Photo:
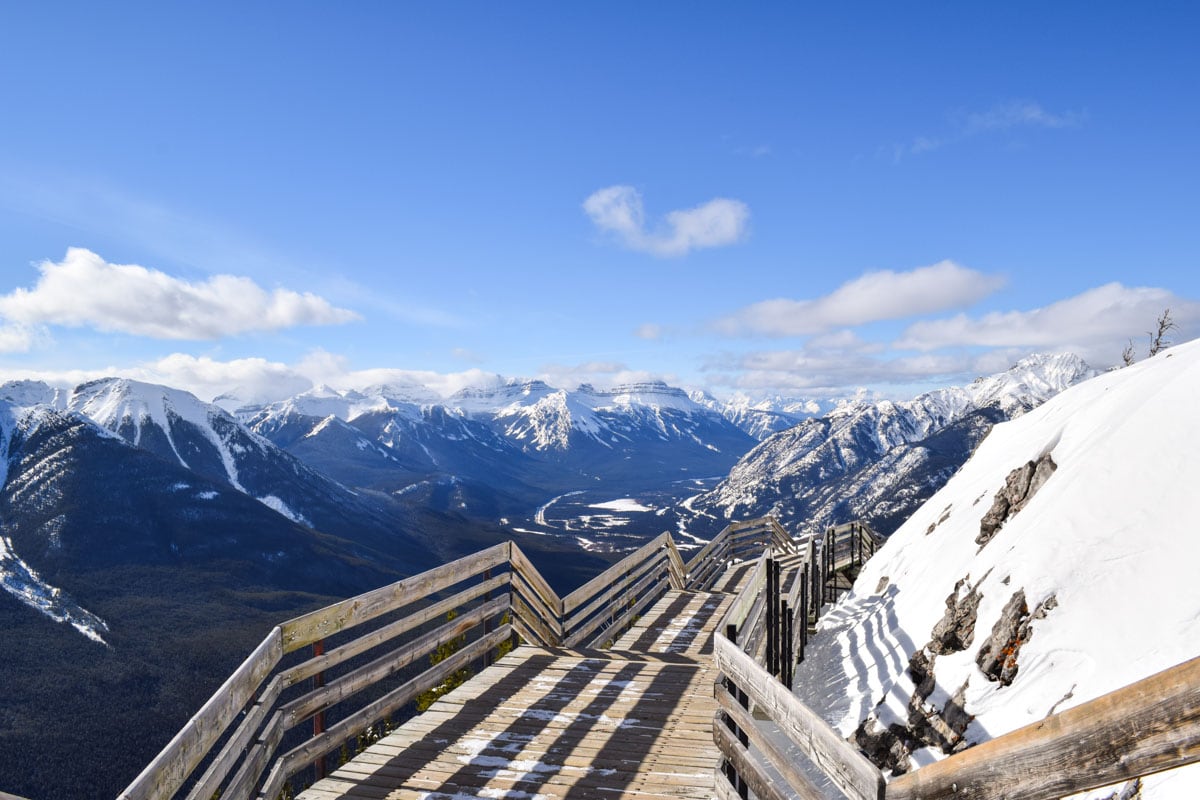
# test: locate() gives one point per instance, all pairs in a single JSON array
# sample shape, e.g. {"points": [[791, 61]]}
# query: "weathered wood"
{"points": [[741, 606], [677, 572], [798, 782], [377, 637], [747, 768], [232, 752], [522, 565], [164, 776], [839, 760], [308, 628], [583, 627], [722, 790], [606, 578], [1146, 727], [532, 626], [387, 664], [327, 742], [574, 625], [256, 761], [642, 594], [523, 588]]}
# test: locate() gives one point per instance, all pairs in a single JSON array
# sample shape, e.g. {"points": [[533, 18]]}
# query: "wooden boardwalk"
{"points": [[634, 721]]}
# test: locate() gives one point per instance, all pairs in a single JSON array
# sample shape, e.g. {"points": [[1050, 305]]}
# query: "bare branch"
{"points": [[1165, 325]]}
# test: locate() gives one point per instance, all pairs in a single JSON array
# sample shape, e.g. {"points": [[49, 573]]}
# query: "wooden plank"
{"points": [[317, 746], [1146, 727], [642, 588], [837, 758], [703, 553], [256, 761], [600, 603], [532, 626], [622, 591], [536, 604], [377, 637], [232, 752], [747, 768], [308, 628], [798, 783], [606, 578], [529, 572], [739, 609], [387, 664], [722, 790], [164, 776], [678, 573]]}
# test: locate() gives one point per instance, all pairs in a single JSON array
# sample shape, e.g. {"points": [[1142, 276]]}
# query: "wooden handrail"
{"points": [[1149, 726], [1143, 728], [250, 714]]}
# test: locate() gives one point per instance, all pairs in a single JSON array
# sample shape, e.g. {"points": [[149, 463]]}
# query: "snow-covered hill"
{"points": [[1057, 565], [879, 460]]}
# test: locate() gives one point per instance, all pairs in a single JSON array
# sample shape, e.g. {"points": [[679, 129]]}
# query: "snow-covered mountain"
{"points": [[878, 460], [524, 438], [1057, 565], [762, 416]]}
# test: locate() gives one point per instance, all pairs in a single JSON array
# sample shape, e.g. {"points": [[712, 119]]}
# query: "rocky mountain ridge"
{"points": [[878, 460]]}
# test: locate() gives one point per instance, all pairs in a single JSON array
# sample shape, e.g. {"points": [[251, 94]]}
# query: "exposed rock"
{"points": [[890, 747], [998, 654], [1019, 488], [1131, 790], [955, 631]]}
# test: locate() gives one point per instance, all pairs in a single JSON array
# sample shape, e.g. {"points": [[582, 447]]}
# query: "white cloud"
{"points": [[85, 290], [838, 373], [1019, 114], [599, 374], [1007, 116], [618, 210], [1096, 324], [875, 296], [18, 338], [649, 331]]}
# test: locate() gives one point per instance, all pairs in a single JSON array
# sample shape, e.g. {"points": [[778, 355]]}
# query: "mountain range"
{"points": [[876, 461]]}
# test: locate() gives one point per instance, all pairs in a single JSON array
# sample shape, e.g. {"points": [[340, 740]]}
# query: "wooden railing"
{"points": [[1146, 727], [320, 679]]}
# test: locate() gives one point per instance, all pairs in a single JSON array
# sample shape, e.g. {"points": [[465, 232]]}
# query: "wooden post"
{"points": [[489, 624], [771, 598], [318, 649], [803, 612], [785, 617]]}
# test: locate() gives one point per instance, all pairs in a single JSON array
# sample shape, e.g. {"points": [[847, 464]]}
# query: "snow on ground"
{"points": [[622, 504], [23, 582], [1110, 537]]}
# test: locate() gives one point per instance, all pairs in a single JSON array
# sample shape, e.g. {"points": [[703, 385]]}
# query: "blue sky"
{"points": [[762, 198]]}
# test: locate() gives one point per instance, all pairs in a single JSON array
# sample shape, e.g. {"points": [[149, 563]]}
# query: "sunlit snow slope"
{"points": [[1104, 552]]}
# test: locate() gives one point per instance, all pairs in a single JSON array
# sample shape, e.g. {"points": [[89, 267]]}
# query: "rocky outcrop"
{"points": [[890, 747], [955, 631], [997, 656], [1019, 488]]}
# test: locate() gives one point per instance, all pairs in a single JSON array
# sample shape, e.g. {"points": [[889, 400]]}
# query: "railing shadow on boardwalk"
{"points": [[344, 668]]}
